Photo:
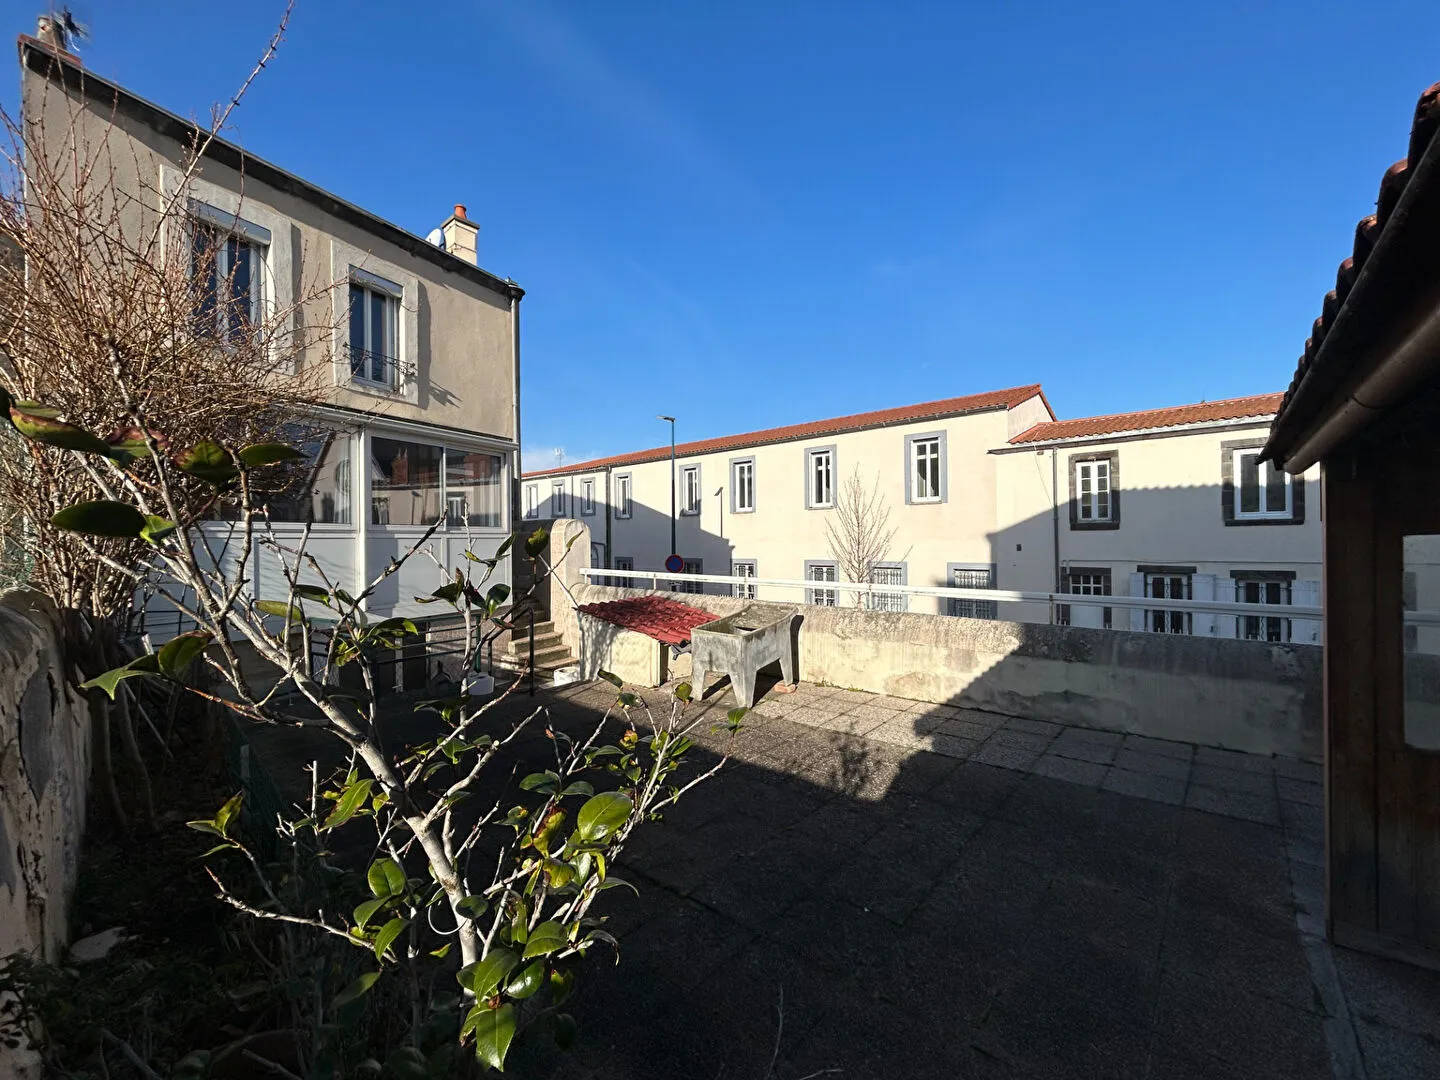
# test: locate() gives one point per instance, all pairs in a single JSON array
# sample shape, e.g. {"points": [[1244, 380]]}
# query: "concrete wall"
{"points": [[1242, 695], [44, 773]]}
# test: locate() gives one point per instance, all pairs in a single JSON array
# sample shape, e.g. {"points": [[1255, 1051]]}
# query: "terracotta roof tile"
{"points": [[1203, 413], [664, 620], [994, 399]]}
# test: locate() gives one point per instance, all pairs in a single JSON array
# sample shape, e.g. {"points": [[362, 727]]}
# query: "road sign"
{"points": [[674, 564]]}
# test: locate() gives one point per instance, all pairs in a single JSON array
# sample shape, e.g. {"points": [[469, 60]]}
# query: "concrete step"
{"points": [[548, 660], [521, 646]]}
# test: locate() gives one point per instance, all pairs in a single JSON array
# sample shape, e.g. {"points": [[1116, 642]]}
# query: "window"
{"points": [[925, 468], [532, 501], [689, 566], [229, 262], [557, 499], [624, 562], [972, 576], [374, 353], [821, 571], [379, 510], [1252, 493], [887, 574], [1094, 491], [742, 485], [587, 498], [316, 488], [623, 507], [474, 488], [1262, 588], [406, 475], [743, 568], [1169, 586], [690, 489], [1086, 581], [820, 478], [1419, 573]]}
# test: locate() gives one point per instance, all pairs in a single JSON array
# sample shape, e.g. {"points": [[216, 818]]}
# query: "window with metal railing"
{"points": [[372, 348]]}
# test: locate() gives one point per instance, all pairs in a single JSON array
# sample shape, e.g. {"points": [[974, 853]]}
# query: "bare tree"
{"points": [[859, 532]]}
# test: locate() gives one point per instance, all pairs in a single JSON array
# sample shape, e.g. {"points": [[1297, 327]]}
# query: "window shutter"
{"points": [[1226, 590], [1137, 615], [1306, 594], [1203, 587], [1087, 614]]}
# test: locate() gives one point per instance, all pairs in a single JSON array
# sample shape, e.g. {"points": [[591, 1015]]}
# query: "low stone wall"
{"points": [[44, 776], [1243, 695]]}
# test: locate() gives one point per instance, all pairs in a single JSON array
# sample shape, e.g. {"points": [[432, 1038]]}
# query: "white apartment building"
{"points": [[422, 375], [986, 491]]}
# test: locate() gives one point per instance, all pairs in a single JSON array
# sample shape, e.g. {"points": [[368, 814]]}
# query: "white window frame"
{"points": [[349, 263], [625, 562], [743, 568], [1259, 627], [965, 608], [1093, 471], [1087, 583], [447, 448], [690, 498], [532, 501], [557, 498], [624, 496], [932, 447], [1167, 620], [1262, 473], [375, 290], [742, 482], [587, 497], [813, 457], [887, 601], [226, 227], [689, 566], [831, 571]]}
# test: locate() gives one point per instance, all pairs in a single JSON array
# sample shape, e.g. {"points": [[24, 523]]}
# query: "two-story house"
{"points": [[420, 368], [758, 504]]}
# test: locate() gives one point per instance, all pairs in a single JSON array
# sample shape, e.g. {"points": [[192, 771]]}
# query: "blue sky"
{"points": [[757, 213]]}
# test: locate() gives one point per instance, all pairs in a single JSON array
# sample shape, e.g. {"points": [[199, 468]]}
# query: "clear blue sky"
{"points": [[756, 213]]}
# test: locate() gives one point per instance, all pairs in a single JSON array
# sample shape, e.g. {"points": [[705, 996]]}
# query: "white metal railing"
{"points": [[1145, 603]]}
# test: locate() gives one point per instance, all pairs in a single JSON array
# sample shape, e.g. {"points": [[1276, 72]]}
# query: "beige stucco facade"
{"points": [[438, 435]]}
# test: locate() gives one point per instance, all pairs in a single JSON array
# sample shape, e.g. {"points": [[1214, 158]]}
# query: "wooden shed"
{"points": [[1365, 403]]}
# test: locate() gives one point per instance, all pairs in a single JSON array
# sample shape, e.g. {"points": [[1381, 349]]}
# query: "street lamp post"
{"points": [[674, 549]]}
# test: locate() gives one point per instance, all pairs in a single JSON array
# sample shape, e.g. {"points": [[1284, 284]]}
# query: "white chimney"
{"points": [[461, 235]]}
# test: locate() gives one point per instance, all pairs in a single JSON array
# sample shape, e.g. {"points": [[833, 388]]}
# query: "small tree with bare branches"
{"points": [[859, 531]]}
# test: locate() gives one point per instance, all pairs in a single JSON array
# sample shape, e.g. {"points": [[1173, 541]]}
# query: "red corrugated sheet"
{"points": [[654, 616], [1179, 415]]}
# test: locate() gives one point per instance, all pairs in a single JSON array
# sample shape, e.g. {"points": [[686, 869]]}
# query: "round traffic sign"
{"points": [[674, 564]]}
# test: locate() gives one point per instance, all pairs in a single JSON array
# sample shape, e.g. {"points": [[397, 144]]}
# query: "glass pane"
{"points": [[357, 330], [241, 256], [407, 476], [1276, 481], [379, 340], [1249, 482], [1420, 603], [472, 488], [319, 485], [203, 265]]}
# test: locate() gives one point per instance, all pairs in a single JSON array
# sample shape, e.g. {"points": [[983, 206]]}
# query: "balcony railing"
{"points": [[376, 369]]}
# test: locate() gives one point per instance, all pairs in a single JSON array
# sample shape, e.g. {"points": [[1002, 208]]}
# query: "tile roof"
{"points": [[1205, 412], [1423, 129], [930, 410], [664, 620]]}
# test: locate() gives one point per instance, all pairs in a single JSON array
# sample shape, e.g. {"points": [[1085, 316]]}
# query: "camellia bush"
{"points": [[481, 909]]}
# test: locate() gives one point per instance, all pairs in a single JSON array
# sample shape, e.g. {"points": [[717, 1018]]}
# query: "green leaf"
{"points": [[603, 815], [504, 545], [561, 983], [449, 593], [616, 883], [536, 542], [546, 782], [579, 787], [102, 517], [630, 701], [180, 652], [226, 814], [34, 425], [407, 1063], [482, 977], [387, 935], [394, 626], [268, 454], [128, 443], [557, 873], [613, 679], [110, 681], [734, 716], [493, 1031], [683, 692], [564, 1027], [498, 594], [349, 802], [209, 462], [366, 911], [386, 878], [156, 529], [313, 592], [280, 609], [546, 938], [530, 979], [356, 990], [473, 907]]}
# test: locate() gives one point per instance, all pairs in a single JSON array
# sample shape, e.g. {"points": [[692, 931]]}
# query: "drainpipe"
{"points": [[1055, 511], [515, 408], [609, 552]]}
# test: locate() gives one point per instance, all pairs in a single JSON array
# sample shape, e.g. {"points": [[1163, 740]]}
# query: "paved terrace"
{"points": [[926, 891]]}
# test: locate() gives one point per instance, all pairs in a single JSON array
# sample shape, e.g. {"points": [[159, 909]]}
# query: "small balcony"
{"points": [[376, 370]]}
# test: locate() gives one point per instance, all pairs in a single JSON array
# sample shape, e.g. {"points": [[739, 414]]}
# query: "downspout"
{"points": [[1055, 513], [515, 407], [609, 552]]}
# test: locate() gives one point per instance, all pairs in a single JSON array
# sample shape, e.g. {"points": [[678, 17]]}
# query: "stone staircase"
{"points": [[550, 651]]}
